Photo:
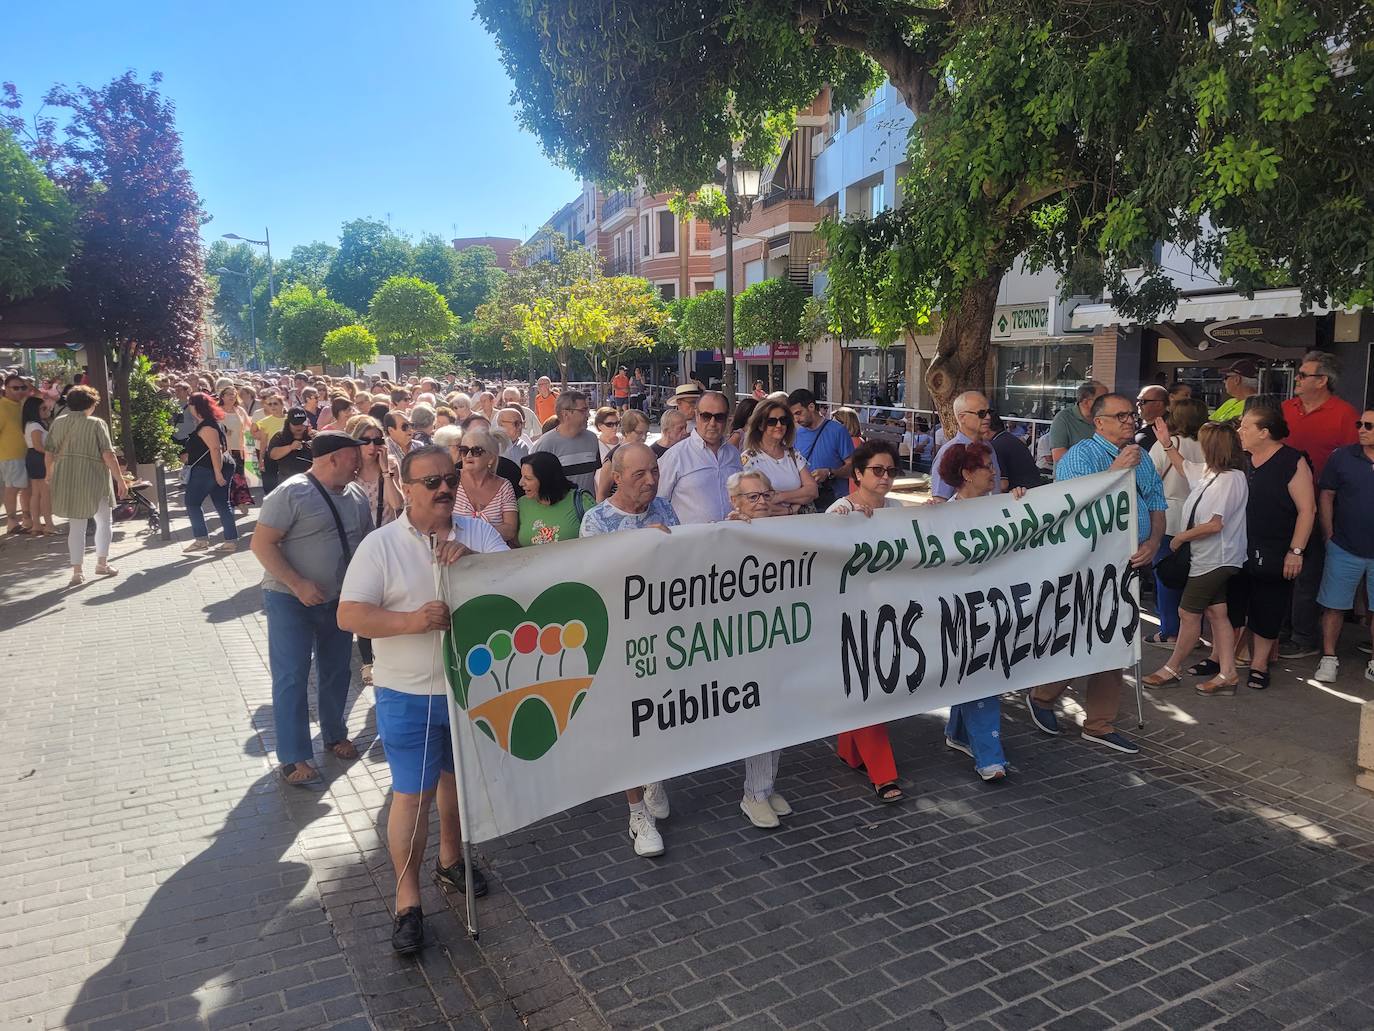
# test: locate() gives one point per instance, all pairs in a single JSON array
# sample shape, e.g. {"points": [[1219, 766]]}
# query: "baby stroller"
{"points": [[141, 500]]}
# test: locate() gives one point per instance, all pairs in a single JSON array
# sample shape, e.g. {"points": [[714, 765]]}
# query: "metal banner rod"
{"points": [[453, 717]]}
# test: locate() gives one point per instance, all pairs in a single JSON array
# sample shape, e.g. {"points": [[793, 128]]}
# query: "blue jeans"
{"points": [[1166, 598], [199, 486], [294, 633], [979, 726]]}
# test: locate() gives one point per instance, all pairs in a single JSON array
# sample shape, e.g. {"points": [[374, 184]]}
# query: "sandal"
{"points": [[1217, 686], [1258, 679], [1204, 668], [1163, 677], [106, 570], [299, 774], [1161, 640], [77, 580], [344, 749], [889, 792]]}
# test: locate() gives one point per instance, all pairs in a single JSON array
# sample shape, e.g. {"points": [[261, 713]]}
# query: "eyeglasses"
{"points": [[778, 420], [475, 452], [371, 441], [1360, 424], [982, 413], [712, 416], [581, 409], [1121, 417], [1141, 401], [1307, 375], [755, 496], [449, 480], [883, 472]]}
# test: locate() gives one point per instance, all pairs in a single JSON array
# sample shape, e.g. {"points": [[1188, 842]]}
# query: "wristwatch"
{"points": [[1295, 551]]}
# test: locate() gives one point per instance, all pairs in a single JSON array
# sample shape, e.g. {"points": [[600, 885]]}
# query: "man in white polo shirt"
{"points": [[388, 595]]}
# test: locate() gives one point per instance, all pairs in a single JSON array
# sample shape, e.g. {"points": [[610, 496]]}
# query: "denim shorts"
{"points": [[1341, 575], [414, 755]]}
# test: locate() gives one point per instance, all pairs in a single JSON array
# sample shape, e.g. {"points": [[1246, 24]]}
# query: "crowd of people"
{"points": [[367, 483]]}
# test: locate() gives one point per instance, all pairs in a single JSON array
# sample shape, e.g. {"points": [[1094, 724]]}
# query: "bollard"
{"points": [[163, 518], [1364, 758]]}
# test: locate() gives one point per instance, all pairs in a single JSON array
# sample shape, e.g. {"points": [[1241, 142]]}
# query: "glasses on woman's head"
{"points": [[475, 452], [449, 480], [883, 472]]}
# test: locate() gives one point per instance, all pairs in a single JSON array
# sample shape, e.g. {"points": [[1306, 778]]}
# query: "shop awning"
{"points": [[1268, 304]]}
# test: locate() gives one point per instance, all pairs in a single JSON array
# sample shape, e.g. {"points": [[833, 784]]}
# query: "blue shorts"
{"points": [[1341, 576], [414, 757]]}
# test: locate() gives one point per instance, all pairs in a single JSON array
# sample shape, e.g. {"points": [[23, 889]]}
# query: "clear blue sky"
{"points": [[301, 114]]}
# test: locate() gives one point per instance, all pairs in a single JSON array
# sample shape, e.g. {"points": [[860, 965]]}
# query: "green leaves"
{"points": [[1234, 167], [350, 344], [37, 225], [406, 312], [300, 320]]}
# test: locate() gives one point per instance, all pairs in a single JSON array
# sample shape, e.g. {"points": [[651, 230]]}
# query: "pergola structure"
{"points": [[40, 322]]}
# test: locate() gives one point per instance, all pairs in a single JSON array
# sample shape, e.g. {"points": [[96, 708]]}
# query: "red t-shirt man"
{"points": [[1319, 432]]}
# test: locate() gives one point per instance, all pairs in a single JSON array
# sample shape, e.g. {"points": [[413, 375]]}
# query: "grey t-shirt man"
{"points": [[310, 540], [580, 456]]}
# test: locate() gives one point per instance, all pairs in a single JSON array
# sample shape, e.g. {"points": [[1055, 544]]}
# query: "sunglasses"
{"points": [[712, 416], [449, 480], [475, 452], [611, 422], [371, 441], [755, 496], [404, 427], [778, 420], [982, 413], [883, 472], [1360, 424]]}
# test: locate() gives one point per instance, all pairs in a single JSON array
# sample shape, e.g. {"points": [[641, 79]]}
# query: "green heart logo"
{"points": [[521, 674]]}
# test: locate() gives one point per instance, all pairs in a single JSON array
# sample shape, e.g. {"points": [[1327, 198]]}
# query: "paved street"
{"points": [[155, 873]]}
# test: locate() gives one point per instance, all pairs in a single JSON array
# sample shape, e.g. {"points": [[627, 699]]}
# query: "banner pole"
{"points": [[453, 716]]}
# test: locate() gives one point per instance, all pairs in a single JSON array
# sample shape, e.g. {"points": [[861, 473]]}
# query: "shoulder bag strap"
{"points": [[1192, 516], [333, 510]]}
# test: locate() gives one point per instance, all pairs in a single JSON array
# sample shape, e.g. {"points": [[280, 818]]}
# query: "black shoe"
{"points": [[455, 877], [409, 934]]}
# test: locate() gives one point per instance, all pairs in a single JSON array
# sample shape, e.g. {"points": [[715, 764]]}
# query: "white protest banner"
{"points": [[583, 668]]}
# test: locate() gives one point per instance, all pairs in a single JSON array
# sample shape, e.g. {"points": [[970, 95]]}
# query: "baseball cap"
{"points": [[1245, 368], [297, 416], [329, 441]]}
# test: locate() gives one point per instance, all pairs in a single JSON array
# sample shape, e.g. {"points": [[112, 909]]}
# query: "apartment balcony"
{"points": [[617, 204], [782, 196]]}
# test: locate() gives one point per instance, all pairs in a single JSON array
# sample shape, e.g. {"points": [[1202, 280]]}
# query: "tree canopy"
{"points": [[301, 318], [406, 313], [369, 254], [1076, 135], [769, 312], [350, 344], [701, 323], [37, 225]]}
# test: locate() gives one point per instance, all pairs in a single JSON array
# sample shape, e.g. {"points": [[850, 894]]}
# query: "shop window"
{"points": [[1034, 381], [878, 377]]}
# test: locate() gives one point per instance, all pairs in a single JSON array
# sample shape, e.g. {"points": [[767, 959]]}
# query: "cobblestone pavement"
{"points": [[153, 871]]}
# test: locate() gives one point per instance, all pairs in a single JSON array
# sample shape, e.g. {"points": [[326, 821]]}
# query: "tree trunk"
{"points": [[961, 361], [122, 370]]}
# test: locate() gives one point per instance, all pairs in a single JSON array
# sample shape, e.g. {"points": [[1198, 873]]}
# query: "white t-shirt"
{"points": [[1176, 484], [393, 569], [28, 434], [846, 504], [1226, 495], [783, 473]]}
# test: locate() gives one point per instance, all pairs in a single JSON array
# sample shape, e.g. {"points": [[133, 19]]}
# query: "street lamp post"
{"points": [[741, 187], [252, 322], [266, 241]]}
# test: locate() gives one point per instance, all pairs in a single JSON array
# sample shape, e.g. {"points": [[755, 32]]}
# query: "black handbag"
{"points": [[1174, 568]]}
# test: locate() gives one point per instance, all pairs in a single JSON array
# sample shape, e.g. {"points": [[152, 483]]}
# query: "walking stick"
{"points": [[453, 717]]}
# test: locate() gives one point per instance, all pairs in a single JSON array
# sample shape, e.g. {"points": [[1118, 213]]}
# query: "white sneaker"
{"points": [[779, 804], [760, 814], [1328, 669], [648, 842], [656, 800], [994, 772], [1369, 670]]}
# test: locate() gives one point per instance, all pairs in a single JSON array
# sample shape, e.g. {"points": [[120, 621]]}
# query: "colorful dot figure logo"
{"points": [[521, 674]]}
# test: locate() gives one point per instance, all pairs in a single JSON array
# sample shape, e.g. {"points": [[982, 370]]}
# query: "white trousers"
{"points": [[104, 533], [759, 773]]}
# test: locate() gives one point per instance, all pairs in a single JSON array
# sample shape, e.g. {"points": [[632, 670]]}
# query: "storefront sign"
{"points": [[580, 669], [1021, 321], [1267, 338], [758, 352]]}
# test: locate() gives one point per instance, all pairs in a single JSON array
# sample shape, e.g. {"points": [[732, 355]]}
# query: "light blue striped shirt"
{"points": [[1096, 455]]}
